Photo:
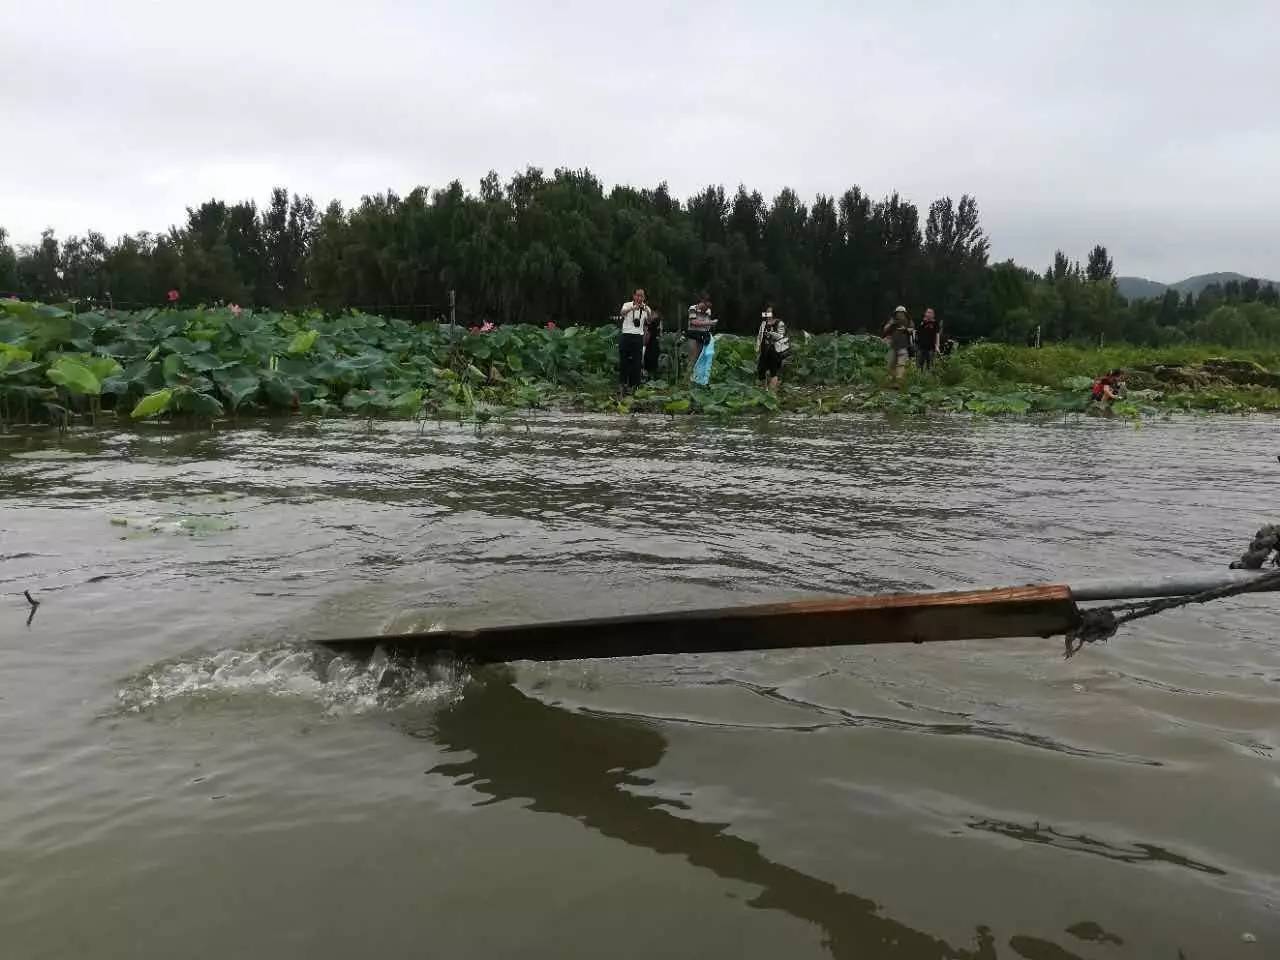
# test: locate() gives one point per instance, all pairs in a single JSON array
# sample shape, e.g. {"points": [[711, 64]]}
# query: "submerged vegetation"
{"points": [[203, 365]]}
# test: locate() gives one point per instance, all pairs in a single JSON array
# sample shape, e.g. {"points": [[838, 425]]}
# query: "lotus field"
{"points": [[201, 365]]}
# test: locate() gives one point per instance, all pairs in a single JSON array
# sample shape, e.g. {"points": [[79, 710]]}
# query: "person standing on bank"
{"points": [[928, 339], [897, 334], [772, 347], [652, 344], [635, 315], [701, 323]]}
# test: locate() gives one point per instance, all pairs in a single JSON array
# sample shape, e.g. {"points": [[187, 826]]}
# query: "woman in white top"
{"points": [[635, 316]]}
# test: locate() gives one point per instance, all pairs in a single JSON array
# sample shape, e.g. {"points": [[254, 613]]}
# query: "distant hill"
{"points": [[1196, 284], [1140, 288]]}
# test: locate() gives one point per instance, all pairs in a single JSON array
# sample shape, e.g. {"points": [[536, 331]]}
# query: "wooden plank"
{"points": [[840, 621]]}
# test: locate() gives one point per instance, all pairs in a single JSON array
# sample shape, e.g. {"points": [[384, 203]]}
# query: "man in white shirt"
{"points": [[635, 315]]}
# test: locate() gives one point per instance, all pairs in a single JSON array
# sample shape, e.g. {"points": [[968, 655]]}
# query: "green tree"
{"points": [[898, 223], [8, 265], [1226, 325], [1100, 267], [954, 279], [40, 269], [557, 247], [858, 299]]}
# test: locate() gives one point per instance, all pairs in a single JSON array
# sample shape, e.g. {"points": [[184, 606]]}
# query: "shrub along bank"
{"points": [[207, 364]]}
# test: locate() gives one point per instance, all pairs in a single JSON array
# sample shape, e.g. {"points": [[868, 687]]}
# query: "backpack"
{"points": [[780, 343]]}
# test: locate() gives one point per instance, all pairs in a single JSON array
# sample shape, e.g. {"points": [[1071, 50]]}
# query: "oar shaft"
{"points": [[840, 621], [1142, 588], [1031, 611]]}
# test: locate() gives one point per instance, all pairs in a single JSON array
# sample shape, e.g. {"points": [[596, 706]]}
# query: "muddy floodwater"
{"points": [[183, 776]]}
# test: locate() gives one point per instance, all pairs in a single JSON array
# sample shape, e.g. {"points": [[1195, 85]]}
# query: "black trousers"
{"points": [[651, 352], [630, 357]]}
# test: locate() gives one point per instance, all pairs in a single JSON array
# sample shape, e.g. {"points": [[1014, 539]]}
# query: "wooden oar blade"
{"points": [[1033, 611]]}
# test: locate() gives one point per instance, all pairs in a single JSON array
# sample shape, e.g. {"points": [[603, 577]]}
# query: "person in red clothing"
{"points": [[1106, 389]]}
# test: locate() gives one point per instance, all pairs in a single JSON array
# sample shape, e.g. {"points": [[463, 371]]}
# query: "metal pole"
{"points": [[1172, 586], [1037, 336], [453, 308]]}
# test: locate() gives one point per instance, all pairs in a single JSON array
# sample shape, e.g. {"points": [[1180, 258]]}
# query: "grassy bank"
{"points": [[207, 364]]}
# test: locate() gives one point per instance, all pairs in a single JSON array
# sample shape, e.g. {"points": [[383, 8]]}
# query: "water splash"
{"points": [[191, 525], [339, 684]]}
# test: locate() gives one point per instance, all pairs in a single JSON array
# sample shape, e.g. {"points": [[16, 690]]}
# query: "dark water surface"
{"points": [[182, 776]]}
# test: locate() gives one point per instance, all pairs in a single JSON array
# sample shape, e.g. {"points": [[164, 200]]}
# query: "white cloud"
{"points": [[1149, 128]]}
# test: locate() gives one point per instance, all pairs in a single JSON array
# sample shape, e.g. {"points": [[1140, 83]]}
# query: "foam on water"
{"points": [[339, 684]]}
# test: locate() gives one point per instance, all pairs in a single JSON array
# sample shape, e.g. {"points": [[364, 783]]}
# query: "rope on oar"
{"points": [[1101, 623], [1265, 542]]}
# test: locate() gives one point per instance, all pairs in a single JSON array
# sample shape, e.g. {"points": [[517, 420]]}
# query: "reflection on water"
{"points": [[589, 768], [1087, 930], [1081, 843], [838, 716], [1033, 948]]}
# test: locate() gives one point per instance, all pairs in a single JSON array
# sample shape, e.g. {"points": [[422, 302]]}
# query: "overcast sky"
{"points": [[1153, 129]]}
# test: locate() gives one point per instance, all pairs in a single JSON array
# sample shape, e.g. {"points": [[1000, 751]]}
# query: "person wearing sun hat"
{"points": [[897, 334]]}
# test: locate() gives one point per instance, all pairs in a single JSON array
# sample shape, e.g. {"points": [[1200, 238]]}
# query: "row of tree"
{"points": [[562, 248]]}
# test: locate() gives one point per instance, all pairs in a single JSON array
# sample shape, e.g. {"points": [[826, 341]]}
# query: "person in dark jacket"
{"points": [[652, 344], [928, 339], [772, 348]]}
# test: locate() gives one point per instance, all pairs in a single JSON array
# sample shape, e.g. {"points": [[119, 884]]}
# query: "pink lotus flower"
{"points": [[551, 325], [235, 309], [486, 327], [173, 296]]}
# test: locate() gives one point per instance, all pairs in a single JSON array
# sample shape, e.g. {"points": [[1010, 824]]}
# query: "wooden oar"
{"points": [[916, 617], [1032, 611]]}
